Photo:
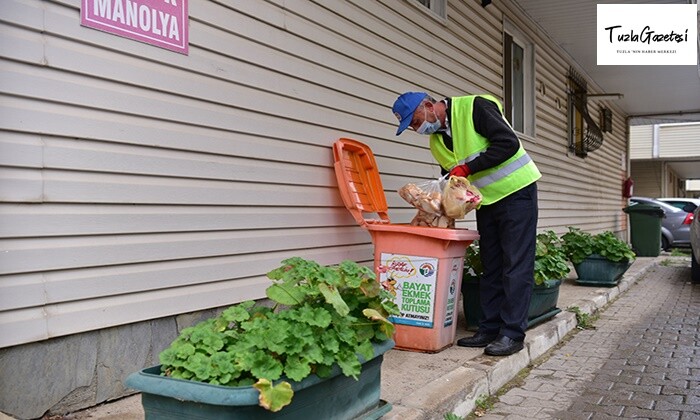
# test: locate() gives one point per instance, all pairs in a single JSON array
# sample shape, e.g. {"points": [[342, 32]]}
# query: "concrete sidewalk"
{"points": [[428, 386]]}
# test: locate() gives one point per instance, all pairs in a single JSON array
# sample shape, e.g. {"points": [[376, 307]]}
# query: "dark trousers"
{"points": [[507, 231]]}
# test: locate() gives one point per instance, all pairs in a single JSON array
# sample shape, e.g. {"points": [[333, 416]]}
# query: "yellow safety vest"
{"points": [[493, 183]]}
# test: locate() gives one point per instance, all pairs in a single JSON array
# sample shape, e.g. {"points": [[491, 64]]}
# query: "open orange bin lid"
{"points": [[362, 192]]}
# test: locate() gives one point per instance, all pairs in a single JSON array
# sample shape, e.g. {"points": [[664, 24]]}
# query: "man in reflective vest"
{"points": [[470, 137]]}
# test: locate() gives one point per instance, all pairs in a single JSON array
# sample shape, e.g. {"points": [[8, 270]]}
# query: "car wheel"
{"points": [[694, 269], [665, 244]]}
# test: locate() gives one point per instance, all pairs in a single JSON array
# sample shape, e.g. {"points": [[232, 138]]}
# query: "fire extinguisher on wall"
{"points": [[628, 188]]}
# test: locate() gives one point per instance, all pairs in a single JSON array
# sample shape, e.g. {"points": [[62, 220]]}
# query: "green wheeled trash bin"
{"points": [[645, 227]]}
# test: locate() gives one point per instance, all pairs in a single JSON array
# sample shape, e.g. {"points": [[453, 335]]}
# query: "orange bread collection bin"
{"points": [[421, 266]]}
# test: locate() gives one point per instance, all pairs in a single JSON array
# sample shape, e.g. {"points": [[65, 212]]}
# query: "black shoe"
{"points": [[477, 340], [503, 346]]}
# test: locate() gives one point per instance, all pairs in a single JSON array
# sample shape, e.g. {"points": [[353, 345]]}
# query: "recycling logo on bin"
{"points": [[412, 280], [427, 269]]}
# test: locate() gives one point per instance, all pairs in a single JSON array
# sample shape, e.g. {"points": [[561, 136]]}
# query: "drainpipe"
{"points": [[628, 172], [655, 157]]}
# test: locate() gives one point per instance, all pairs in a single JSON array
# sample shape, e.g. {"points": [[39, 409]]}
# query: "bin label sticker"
{"points": [[450, 308], [411, 279]]}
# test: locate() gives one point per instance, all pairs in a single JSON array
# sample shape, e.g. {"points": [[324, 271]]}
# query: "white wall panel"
{"points": [[647, 177], [26, 220], [679, 141], [641, 141]]}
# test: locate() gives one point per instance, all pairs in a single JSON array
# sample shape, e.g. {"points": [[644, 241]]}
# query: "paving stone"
{"points": [[637, 364], [601, 385], [538, 396], [585, 407], [492, 416], [552, 386], [647, 389], [554, 405], [635, 412], [631, 378], [510, 399], [592, 397], [673, 399], [693, 399], [518, 411], [686, 408], [602, 416]]}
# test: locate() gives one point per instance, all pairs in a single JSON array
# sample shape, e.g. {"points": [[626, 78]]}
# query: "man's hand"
{"points": [[460, 170]]}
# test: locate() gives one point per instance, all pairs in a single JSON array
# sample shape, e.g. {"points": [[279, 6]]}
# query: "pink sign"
{"points": [[157, 22]]}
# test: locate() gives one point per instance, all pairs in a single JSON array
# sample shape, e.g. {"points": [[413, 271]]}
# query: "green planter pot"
{"points": [[335, 397], [597, 270], [543, 304]]}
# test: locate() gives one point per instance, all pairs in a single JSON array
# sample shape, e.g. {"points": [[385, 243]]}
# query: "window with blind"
{"points": [[518, 80]]}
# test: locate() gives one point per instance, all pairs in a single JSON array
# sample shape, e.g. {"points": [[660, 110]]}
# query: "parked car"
{"points": [[695, 247], [685, 204], [675, 225]]}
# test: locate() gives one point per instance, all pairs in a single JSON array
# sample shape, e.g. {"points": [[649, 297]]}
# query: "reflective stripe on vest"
{"points": [[503, 172], [469, 158]]}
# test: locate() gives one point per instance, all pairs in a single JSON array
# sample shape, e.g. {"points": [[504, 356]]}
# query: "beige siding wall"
{"points": [[648, 177], [656, 178], [679, 141], [641, 141], [139, 183]]}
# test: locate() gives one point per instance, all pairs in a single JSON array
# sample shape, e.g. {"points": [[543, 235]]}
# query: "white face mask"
{"points": [[429, 127]]}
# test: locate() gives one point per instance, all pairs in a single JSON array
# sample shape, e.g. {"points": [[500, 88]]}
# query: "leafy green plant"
{"points": [[584, 320], [677, 252], [483, 403], [451, 416], [610, 247], [472, 261], [324, 315], [550, 261], [578, 245]]}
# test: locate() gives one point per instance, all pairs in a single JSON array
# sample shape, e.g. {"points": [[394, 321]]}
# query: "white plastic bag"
{"points": [[426, 196]]}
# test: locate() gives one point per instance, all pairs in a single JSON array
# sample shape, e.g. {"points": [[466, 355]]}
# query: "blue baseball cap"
{"points": [[405, 106]]}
